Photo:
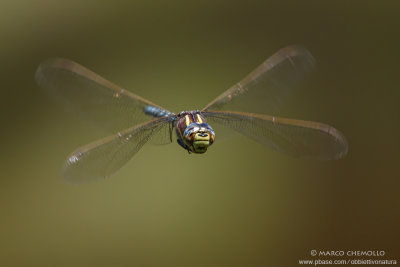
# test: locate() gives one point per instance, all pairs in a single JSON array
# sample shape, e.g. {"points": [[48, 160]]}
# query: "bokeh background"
{"points": [[240, 204]]}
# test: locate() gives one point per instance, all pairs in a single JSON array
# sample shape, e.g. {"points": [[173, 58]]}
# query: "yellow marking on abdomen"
{"points": [[199, 118]]}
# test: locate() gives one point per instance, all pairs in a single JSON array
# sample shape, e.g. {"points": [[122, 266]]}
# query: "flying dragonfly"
{"points": [[133, 120]]}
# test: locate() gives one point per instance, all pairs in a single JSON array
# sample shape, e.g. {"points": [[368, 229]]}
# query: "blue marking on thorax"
{"points": [[156, 112]]}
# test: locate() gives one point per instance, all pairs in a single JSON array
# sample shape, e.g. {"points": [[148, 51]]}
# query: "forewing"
{"points": [[103, 158], [267, 88], [88, 94], [305, 139]]}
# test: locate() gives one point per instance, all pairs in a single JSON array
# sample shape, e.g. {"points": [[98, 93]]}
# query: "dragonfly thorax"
{"points": [[194, 134]]}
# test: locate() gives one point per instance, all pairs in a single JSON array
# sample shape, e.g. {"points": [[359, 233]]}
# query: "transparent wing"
{"points": [[103, 158], [85, 92], [305, 139], [270, 85]]}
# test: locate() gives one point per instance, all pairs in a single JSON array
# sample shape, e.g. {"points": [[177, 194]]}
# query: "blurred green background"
{"points": [[240, 204]]}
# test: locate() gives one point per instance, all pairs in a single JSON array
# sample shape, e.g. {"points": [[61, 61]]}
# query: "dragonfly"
{"points": [[132, 121]]}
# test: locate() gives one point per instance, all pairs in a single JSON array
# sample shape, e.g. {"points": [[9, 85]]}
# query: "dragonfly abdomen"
{"points": [[156, 112]]}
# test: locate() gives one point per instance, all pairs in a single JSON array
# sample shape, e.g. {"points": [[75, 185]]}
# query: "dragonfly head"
{"points": [[198, 137]]}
